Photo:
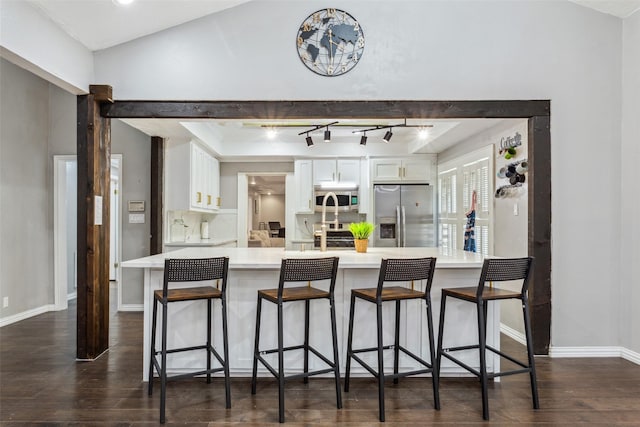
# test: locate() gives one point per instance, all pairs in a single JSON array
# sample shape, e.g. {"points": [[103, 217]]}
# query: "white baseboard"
{"points": [[71, 296], [26, 314], [513, 334], [631, 356], [603, 351], [131, 307]]}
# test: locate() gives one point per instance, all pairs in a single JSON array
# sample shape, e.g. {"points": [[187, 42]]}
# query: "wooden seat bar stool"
{"points": [[395, 270], [299, 270], [493, 270], [190, 270]]}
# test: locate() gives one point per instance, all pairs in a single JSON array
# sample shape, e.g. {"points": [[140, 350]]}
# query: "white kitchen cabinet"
{"points": [[336, 170], [303, 171], [192, 178], [418, 168]]}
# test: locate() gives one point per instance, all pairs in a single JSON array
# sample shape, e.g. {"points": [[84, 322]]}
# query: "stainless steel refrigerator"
{"points": [[404, 215]]}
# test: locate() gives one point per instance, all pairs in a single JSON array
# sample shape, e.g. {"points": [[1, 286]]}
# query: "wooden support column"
{"points": [[539, 190], [94, 173], [157, 193]]}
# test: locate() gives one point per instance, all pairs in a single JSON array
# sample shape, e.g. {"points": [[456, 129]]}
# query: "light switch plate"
{"points": [[515, 209]]}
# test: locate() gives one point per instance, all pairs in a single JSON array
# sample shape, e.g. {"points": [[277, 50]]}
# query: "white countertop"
{"points": [[203, 242], [269, 258]]}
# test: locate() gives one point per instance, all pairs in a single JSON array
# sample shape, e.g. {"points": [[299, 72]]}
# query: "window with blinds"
{"points": [[455, 202]]}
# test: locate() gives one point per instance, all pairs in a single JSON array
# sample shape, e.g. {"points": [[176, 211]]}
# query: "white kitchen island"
{"points": [[251, 269]]}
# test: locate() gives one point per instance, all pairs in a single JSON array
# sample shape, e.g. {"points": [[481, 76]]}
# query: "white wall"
{"points": [[453, 50], [39, 121], [272, 208], [32, 41], [629, 315], [26, 246]]}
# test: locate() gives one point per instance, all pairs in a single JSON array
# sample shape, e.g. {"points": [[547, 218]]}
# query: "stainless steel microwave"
{"points": [[348, 199]]}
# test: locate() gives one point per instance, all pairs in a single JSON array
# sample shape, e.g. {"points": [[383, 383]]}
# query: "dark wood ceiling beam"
{"points": [[322, 109]]}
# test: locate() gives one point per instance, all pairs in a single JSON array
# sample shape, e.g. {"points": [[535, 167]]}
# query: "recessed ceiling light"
{"points": [[123, 2], [423, 133]]}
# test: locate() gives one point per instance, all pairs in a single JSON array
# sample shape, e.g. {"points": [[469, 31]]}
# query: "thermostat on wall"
{"points": [[136, 205]]}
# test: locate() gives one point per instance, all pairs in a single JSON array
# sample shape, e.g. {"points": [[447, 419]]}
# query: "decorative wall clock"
{"points": [[330, 42]]}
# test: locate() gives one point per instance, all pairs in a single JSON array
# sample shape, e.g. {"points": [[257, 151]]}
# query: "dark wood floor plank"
{"points": [[42, 384]]}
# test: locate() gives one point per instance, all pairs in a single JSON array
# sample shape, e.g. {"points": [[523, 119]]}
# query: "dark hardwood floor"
{"points": [[42, 384]]}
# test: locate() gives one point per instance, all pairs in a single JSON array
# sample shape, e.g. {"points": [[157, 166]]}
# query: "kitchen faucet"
{"points": [[323, 226]]}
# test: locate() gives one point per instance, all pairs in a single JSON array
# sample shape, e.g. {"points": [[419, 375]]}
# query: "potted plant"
{"points": [[361, 232]]}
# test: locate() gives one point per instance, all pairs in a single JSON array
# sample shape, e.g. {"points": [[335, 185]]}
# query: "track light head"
{"points": [[387, 136], [327, 135], [363, 139], [309, 141]]}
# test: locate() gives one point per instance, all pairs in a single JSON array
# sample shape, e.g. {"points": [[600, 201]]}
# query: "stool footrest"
{"points": [[375, 373], [178, 350], [275, 350], [274, 372], [494, 350], [461, 363]]}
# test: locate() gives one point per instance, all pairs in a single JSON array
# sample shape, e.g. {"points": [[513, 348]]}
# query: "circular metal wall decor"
{"points": [[330, 42]]}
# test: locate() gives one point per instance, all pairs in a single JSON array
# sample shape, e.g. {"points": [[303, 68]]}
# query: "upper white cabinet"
{"points": [[192, 178], [303, 171], [417, 168], [336, 170]]}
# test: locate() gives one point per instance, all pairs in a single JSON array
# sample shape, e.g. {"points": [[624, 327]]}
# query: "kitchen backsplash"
{"points": [[185, 226]]}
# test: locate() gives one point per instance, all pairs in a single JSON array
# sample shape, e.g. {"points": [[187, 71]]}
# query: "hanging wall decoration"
{"points": [[330, 42]]}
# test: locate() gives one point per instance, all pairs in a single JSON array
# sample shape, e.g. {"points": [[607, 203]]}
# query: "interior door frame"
{"points": [[59, 229], [537, 113]]}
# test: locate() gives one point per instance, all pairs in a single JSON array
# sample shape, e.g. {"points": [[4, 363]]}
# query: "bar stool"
{"points": [[299, 270], [190, 270], [395, 270], [493, 270]]}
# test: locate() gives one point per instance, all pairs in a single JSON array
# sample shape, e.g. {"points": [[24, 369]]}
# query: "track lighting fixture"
{"points": [[363, 139], [309, 141], [387, 136], [327, 135]]}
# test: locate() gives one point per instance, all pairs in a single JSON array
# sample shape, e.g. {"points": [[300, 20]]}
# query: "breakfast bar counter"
{"points": [[251, 269]]}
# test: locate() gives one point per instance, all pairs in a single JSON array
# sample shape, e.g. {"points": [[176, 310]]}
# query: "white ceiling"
{"points": [[99, 24]]}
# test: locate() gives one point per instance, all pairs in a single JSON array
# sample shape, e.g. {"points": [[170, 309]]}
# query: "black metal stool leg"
{"points": [[336, 362], [443, 303], [434, 376], [396, 347], [349, 343], [163, 369], [483, 362], [256, 348], [380, 363], [306, 340], [280, 364], [152, 353], [225, 341], [532, 362], [208, 341]]}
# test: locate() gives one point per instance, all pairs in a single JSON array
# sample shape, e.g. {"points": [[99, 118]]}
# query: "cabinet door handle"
{"points": [[339, 176], [219, 201], [333, 176], [199, 197], [399, 172], [404, 172], [208, 199]]}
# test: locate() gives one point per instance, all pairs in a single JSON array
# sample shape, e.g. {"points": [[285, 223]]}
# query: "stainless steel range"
{"points": [[337, 238]]}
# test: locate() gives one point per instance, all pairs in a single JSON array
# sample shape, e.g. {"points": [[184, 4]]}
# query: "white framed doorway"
{"points": [[247, 205], [65, 260]]}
